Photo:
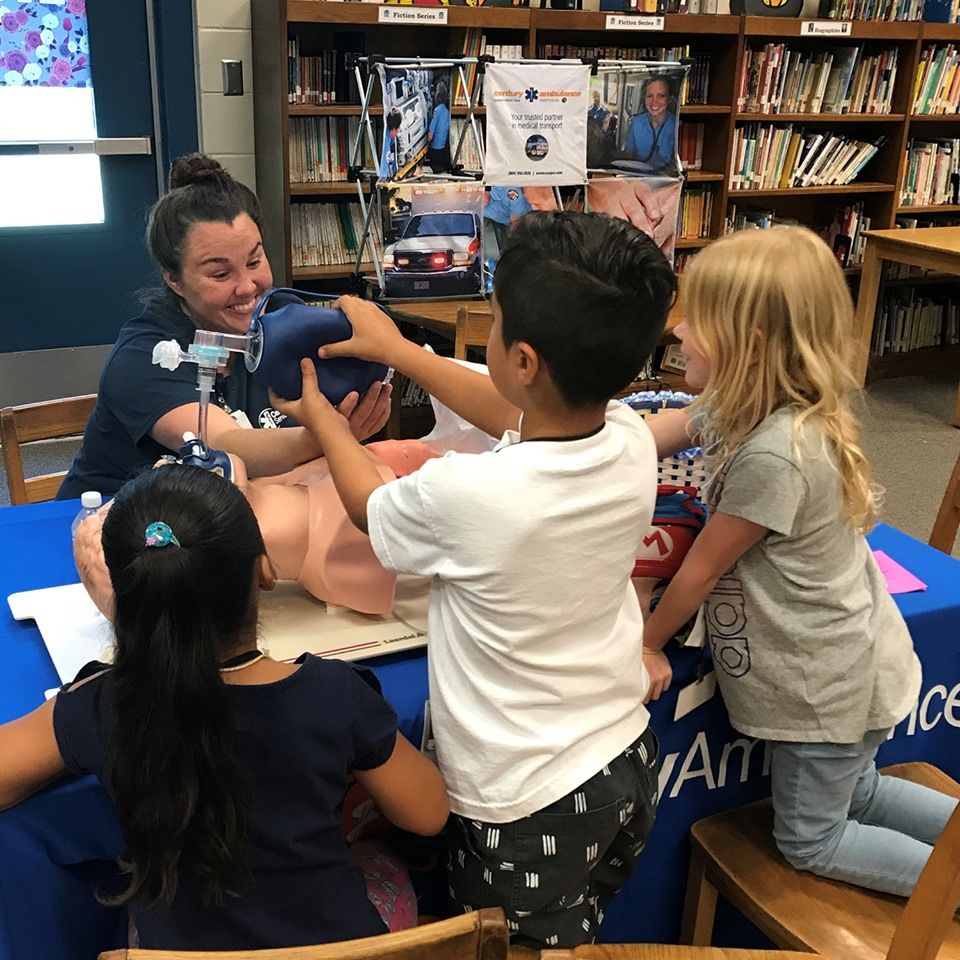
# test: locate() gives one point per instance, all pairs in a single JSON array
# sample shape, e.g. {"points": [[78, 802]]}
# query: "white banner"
{"points": [[535, 129]]}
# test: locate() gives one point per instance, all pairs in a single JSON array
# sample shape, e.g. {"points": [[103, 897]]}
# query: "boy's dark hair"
{"points": [[589, 293], [179, 793]]}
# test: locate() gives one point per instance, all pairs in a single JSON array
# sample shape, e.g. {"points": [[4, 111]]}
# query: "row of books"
{"points": [[323, 77], [740, 217], [695, 90], [776, 79], [870, 10], [769, 157], [696, 212], [470, 157], [320, 148], [576, 51], [325, 233], [932, 174], [681, 260], [665, 6], [690, 145], [936, 86], [845, 234], [475, 44], [911, 318]]}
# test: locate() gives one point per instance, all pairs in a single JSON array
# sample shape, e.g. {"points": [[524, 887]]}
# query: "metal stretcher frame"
{"points": [[360, 174]]}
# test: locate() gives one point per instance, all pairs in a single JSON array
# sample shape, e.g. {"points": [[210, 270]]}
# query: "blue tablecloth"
{"points": [[56, 846]]}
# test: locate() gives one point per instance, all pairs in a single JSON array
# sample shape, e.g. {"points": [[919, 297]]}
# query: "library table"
{"points": [[932, 248], [58, 846], [440, 317]]}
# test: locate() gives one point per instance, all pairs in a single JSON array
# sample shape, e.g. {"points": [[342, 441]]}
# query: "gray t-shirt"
{"points": [[807, 642]]}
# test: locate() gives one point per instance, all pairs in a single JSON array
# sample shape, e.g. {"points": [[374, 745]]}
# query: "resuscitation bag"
{"points": [[281, 337]]}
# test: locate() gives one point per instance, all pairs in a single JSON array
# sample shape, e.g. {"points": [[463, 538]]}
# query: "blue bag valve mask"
{"points": [[279, 339]]}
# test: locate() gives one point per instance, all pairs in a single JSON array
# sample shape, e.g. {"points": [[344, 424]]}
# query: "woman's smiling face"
{"points": [[656, 99], [225, 272]]}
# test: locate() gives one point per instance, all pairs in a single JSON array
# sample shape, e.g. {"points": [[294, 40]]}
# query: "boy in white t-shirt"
{"points": [[536, 669]]}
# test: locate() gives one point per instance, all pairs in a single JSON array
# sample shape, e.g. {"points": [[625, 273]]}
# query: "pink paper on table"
{"points": [[899, 580]]}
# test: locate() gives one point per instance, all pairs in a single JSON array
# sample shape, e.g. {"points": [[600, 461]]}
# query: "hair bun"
{"points": [[195, 168]]}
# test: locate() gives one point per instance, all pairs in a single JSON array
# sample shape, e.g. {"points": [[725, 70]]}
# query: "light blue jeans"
{"points": [[835, 816]]}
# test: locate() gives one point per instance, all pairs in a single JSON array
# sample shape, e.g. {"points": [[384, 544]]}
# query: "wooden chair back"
{"points": [[657, 951], [929, 912], [734, 855], [944, 533], [52, 419], [481, 935], [473, 329]]}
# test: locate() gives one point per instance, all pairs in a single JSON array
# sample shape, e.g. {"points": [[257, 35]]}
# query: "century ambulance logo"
{"points": [[534, 95]]}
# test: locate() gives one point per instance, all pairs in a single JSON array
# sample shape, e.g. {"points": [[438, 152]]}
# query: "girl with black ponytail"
{"points": [[227, 769]]}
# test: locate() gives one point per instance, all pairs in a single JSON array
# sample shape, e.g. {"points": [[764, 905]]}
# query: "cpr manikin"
{"points": [[306, 531]]}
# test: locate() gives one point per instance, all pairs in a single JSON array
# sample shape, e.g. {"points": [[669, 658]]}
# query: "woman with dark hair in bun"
{"points": [[205, 236]]}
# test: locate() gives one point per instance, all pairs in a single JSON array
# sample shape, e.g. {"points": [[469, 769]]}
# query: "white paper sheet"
{"points": [[291, 622]]}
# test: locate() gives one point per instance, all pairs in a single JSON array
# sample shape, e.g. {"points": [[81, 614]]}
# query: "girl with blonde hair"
{"points": [[810, 651]]}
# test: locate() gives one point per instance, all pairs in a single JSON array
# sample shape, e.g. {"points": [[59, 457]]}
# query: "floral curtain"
{"points": [[44, 44]]}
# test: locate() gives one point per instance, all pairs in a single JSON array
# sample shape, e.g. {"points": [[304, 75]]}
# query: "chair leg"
{"points": [[700, 904]]}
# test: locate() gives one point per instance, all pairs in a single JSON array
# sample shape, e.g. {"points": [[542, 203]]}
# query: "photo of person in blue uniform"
{"points": [[438, 133], [502, 208], [650, 137], [416, 131], [388, 156], [597, 112]]}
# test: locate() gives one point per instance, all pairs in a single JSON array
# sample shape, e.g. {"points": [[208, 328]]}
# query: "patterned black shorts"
{"points": [[554, 871]]}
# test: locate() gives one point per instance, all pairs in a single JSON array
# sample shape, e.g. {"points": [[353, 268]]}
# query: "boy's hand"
{"points": [[313, 410], [375, 336], [659, 671]]}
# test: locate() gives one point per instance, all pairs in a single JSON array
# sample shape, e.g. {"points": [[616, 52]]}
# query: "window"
{"points": [[46, 102]]}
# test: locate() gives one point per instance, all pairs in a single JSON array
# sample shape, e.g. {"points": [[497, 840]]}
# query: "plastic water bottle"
{"points": [[91, 502]]}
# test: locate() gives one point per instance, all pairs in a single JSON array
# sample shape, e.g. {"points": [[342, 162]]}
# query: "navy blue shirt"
{"points": [[134, 394], [296, 740]]}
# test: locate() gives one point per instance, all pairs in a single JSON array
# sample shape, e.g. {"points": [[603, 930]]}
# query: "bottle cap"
{"points": [[90, 500]]}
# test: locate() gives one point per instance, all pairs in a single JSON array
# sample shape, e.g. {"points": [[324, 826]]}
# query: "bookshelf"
{"points": [[892, 120]]}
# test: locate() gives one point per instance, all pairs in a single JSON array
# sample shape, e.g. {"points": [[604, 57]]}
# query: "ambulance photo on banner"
{"points": [[432, 239], [535, 130], [416, 121], [633, 119]]}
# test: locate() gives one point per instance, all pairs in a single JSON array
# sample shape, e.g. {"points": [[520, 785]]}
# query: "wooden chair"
{"points": [[734, 854], [658, 951], [481, 935], [944, 532], [473, 329], [50, 420]]}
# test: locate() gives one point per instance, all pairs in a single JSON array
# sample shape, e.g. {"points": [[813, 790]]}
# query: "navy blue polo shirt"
{"points": [[134, 394]]}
